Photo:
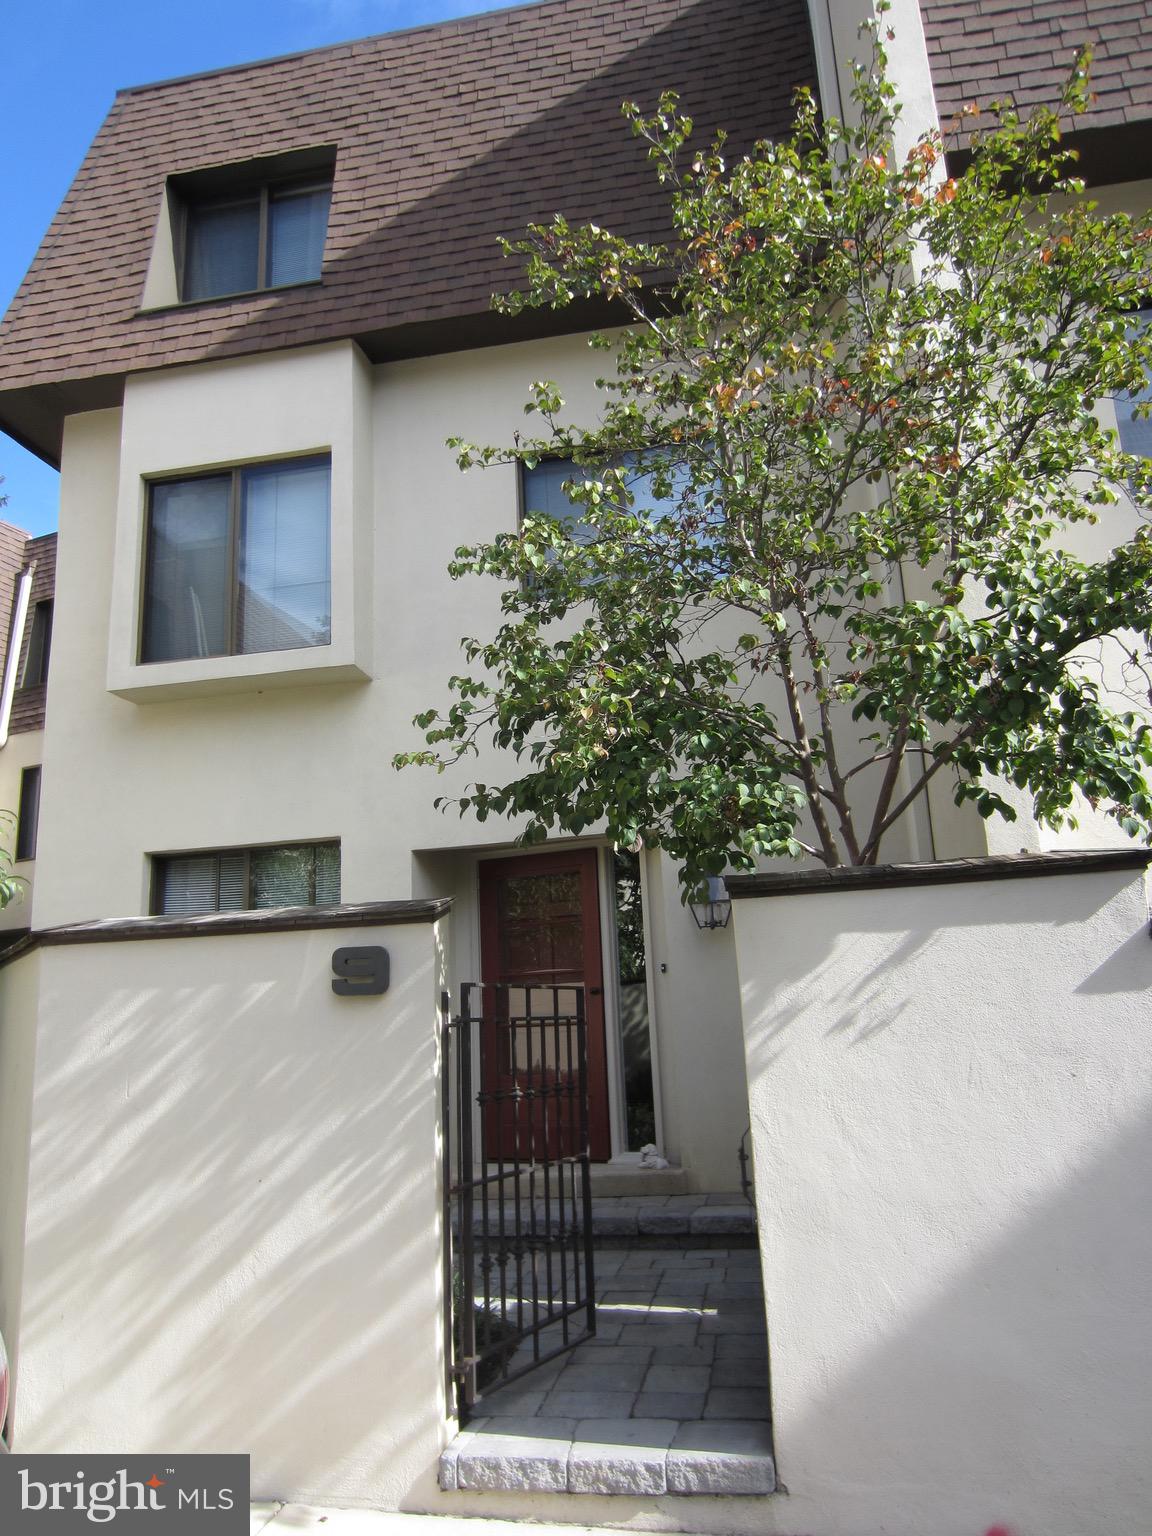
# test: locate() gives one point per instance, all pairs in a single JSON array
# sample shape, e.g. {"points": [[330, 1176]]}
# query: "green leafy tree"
{"points": [[817, 553]]}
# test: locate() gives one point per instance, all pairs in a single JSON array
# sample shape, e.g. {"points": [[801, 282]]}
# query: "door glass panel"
{"points": [[636, 1047], [541, 930]]}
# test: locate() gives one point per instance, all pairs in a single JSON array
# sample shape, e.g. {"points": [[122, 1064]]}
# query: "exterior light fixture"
{"points": [[717, 909]]}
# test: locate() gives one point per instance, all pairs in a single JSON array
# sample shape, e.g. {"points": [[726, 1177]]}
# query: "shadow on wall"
{"points": [[954, 1152], [872, 997], [959, 1380], [234, 1209]]}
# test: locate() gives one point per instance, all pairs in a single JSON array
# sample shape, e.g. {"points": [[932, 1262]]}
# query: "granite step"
{"points": [[636, 1457]]}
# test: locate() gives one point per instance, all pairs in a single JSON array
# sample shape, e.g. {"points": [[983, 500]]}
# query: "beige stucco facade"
{"points": [[278, 747], [230, 1178], [233, 1207], [950, 1106], [297, 745]]}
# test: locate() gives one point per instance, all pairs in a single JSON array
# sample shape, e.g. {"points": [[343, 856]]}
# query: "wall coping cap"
{"points": [[1014, 866], [118, 930]]}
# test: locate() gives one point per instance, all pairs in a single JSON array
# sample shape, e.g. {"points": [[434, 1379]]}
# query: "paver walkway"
{"points": [[670, 1396]]}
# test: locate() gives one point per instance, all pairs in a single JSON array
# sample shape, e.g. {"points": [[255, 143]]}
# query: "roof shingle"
{"points": [[982, 50], [447, 137]]}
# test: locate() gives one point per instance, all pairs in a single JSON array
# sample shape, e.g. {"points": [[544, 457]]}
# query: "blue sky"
{"points": [[63, 62]]}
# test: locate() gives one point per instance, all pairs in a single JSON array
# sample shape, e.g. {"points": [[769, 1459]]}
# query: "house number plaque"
{"points": [[362, 971]]}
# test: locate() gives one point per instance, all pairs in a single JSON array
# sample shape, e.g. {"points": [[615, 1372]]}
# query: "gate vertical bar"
{"points": [[585, 1159], [466, 1369], [449, 1239]]}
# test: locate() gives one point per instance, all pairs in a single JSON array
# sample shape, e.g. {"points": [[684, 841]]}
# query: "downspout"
{"points": [[15, 646], [824, 47]]}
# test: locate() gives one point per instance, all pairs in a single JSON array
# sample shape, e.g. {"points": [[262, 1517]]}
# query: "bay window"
{"points": [[238, 561]]}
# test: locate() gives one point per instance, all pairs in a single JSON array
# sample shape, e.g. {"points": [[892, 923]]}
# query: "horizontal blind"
{"points": [[187, 886]]}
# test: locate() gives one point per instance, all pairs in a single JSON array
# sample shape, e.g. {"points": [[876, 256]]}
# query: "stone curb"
{"points": [[609, 1456]]}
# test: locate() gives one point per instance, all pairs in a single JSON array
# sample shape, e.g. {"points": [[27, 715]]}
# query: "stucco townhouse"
{"points": [[259, 313]]}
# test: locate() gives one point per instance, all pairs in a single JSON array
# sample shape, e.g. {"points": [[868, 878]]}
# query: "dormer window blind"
{"points": [[269, 236]]}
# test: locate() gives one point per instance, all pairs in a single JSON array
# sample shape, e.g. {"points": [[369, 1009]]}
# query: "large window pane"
{"points": [[284, 601], [186, 590], [297, 225], [222, 249], [282, 877]]}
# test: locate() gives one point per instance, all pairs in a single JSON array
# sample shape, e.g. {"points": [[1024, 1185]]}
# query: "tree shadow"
{"points": [[232, 1234]]}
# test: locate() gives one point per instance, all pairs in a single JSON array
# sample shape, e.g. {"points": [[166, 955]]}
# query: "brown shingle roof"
{"points": [[447, 136], [1024, 49]]}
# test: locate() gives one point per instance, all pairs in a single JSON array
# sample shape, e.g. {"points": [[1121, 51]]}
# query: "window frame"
{"points": [[28, 816], [157, 862], [236, 472], [39, 645]]}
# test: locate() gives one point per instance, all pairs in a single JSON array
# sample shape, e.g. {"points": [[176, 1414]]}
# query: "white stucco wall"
{"points": [[952, 1109], [233, 1213], [19, 989]]}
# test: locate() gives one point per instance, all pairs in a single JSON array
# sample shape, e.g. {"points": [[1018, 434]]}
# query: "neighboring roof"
{"points": [[12, 544], [982, 50], [28, 704], [447, 137]]}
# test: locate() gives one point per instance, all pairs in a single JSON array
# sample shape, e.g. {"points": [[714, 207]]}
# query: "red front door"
{"points": [[540, 927]]}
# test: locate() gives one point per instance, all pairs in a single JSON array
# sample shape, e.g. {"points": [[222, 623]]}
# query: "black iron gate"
{"points": [[518, 1219]]}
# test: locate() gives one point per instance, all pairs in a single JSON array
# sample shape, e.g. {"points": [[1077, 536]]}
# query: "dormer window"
{"points": [[229, 230], [267, 238]]}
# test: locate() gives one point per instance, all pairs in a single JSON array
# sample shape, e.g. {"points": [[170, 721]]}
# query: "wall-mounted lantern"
{"points": [[717, 909]]}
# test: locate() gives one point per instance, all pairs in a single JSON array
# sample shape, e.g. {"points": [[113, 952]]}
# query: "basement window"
{"points": [[246, 879]]}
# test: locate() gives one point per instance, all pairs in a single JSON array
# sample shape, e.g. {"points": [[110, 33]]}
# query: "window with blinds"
{"points": [[239, 561], [264, 236], [246, 879]]}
